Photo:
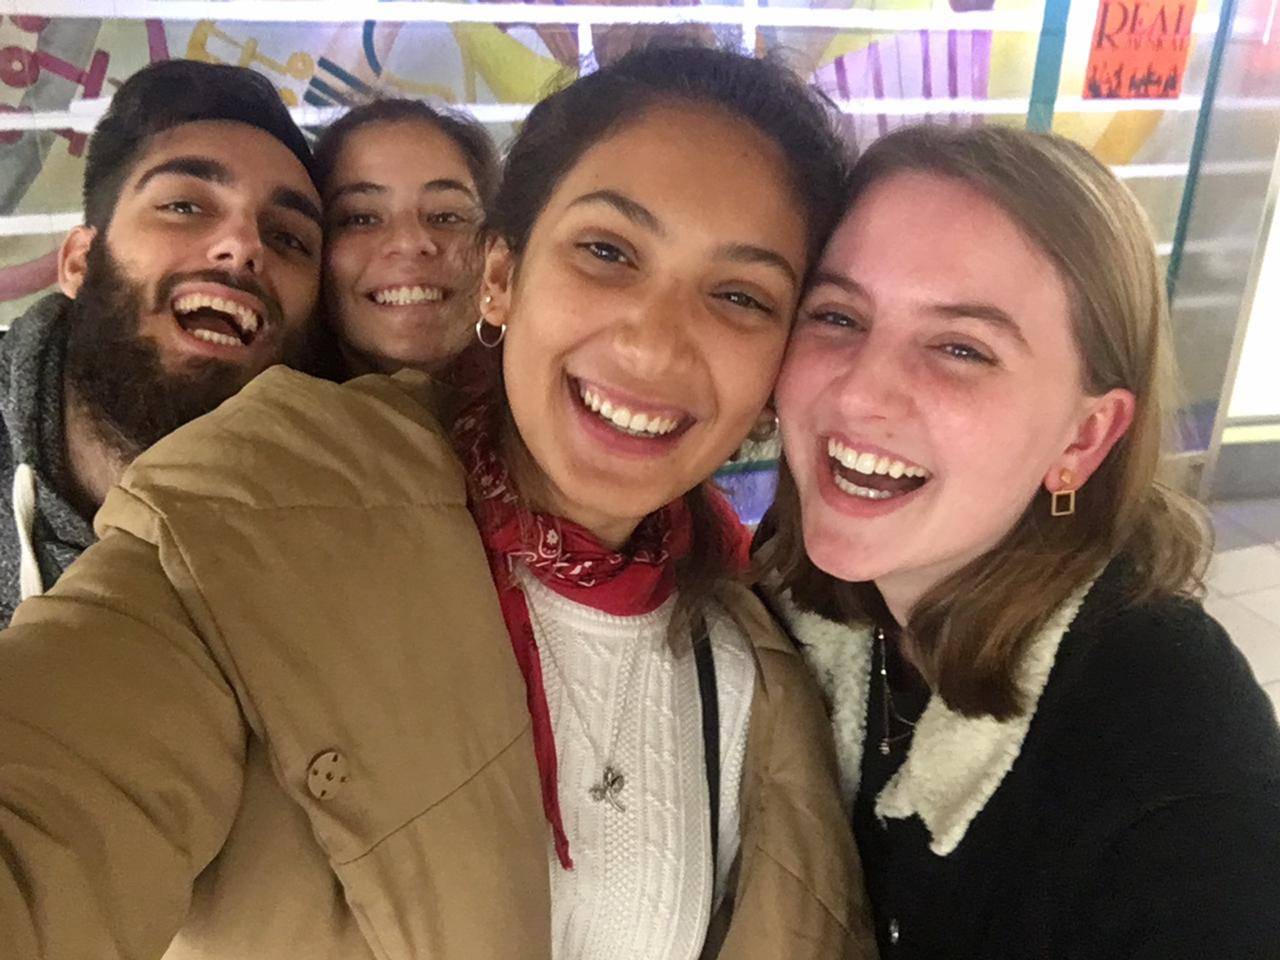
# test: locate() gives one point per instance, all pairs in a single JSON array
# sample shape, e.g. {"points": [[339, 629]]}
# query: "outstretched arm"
{"points": [[121, 758]]}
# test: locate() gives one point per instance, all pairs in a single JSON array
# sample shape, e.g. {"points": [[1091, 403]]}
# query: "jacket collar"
{"points": [[955, 763], [31, 361]]}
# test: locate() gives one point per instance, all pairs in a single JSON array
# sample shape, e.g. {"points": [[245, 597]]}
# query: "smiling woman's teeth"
{"points": [[857, 491], [887, 477], [403, 296], [636, 424], [871, 465]]}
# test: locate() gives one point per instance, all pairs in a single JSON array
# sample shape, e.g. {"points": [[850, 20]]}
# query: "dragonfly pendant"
{"points": [[610, 788]]}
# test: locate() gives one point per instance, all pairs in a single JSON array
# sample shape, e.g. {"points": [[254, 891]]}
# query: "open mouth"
{"points": [[405, 296], [629, 418], [873, 475], [218, 320]]}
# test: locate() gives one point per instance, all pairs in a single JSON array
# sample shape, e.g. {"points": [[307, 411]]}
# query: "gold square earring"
{"points": [[1063, 502]]}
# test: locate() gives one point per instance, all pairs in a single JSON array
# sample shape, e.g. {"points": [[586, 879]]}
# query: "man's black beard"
{"points": [[117, 374]]}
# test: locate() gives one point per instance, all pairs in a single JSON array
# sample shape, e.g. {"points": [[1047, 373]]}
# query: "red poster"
{"points": [[1139, 49]]}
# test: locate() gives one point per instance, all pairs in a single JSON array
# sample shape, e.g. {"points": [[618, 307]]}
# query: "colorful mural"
{"points": [[52, 65], [919, 60]]}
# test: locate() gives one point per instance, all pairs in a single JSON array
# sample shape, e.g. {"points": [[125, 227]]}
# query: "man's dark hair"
{"points": [[166, 95]]}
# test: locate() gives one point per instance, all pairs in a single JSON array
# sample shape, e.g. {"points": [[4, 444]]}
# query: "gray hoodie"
{"points": [[41, 533]]}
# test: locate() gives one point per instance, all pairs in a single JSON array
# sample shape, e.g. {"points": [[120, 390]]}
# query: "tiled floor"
{"points": [[1244, 583]]}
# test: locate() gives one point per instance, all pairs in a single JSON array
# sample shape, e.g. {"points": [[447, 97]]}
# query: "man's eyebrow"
{"points": [[637, 213], [202, 168], [987, 313], [295, 200], [749, 253]]}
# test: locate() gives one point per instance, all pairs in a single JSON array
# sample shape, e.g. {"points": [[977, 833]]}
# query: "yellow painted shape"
{"points": [[1013, 62], [512, 71]]}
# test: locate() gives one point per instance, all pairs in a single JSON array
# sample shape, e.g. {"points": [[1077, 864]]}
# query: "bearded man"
{"points": [[196, 268]]}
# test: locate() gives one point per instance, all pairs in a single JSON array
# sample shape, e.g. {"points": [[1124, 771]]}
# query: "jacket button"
{"points": [[327, 773], [895, 933]]}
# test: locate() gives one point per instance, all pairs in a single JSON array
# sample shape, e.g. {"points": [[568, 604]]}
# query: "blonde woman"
{"points": [[1051, 750]]}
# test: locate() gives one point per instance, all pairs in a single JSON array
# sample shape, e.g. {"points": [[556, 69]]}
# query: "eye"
{"points": [[293, 242], [605, 251], [357, 220], [745, 300], [183, 207], [966, 353], [446, 218], [834, 318]]}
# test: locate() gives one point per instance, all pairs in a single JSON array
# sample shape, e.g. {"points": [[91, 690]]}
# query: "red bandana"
{"points": [[571, 561]]}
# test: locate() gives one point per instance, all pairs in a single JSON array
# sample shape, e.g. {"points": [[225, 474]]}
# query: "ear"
{"points": [[1106, 419], [497, 280], [73, 258]]}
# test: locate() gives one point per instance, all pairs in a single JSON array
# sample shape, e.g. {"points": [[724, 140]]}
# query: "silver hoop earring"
{"points": [[480, 325]]}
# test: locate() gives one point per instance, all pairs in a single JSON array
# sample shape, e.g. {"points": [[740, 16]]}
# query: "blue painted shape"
{"points": [[1048, 72], [370, 54], [319, 86], [350, 79]]}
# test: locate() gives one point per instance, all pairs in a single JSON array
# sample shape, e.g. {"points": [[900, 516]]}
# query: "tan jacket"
{"points": [[274, 713]]}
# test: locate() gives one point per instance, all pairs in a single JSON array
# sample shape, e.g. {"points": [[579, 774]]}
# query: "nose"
{"points": [[237, 246], [653, 336], [875, 382], [410, 237]]}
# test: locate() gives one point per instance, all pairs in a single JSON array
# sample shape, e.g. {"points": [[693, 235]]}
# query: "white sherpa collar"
{"points": [[955, 763]]}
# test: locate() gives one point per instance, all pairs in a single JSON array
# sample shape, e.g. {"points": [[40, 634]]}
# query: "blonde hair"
{"points": [[968, 632]]}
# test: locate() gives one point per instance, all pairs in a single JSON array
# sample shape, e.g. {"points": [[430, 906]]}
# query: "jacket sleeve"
{"points": [[121, 755], [1195, 877], [1192, 755]]}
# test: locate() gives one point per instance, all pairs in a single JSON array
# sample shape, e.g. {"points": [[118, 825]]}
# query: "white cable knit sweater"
{"points": [[642, 886]]}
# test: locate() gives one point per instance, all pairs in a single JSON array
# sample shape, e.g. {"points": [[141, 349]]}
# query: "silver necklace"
{"points": [[608, 789], [887, 741]]}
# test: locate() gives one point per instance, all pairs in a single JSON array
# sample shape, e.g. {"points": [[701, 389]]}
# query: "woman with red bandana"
{"points": [[356, 673]]}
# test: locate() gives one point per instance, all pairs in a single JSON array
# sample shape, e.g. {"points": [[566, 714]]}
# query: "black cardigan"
{"points": [[1141, 818]]}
